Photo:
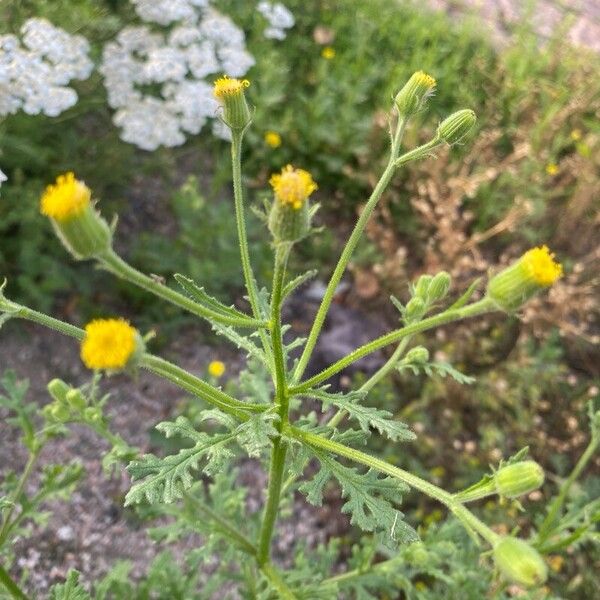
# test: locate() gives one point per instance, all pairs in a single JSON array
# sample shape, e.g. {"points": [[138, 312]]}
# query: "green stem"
{"points": [[477, 308], [558, 502], [238, 195], [223, 525], [198, 387], [277, 582], [279, 450], [348, 251], [8, 582], [116, 265], [467, 518], [14, 497]]}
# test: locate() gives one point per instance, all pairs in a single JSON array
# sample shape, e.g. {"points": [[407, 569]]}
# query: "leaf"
{"points": [[198, 294], [367, 416], [294, 284], [70, 589], [466, 296], [369, 498], [241, 341], [442, 369], [165, 479], [255, 434]]}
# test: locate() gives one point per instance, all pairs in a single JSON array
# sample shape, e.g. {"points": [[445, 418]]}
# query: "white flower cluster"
{"points": [[174, 65], [3, 177], [35, 70], [279, 18]]}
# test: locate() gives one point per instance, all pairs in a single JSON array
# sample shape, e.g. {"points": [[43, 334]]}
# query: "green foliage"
{"points": [[70, 590]]}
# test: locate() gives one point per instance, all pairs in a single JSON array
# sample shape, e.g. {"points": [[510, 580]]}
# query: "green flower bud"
{"points": [[422, 286], [519, 478], [417, 356], [58, 389], [76, 399], [454, 128], [415, 309], [439, 286], [519, 562], [230, 93], [59, 412], [289, 219], [412, 97], [534, 271], [92, 414], [80, 228]]}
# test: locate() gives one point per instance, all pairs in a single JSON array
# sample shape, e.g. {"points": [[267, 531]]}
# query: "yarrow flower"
{"points": [[199, 43], [65, 199], [278, 17], [534, 271], [216, 369], [35, 69], [3, 177], [292, 186], [81, 229], [272, 139], [109, 344]]}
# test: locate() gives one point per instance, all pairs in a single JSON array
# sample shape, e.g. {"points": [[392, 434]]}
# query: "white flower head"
{"points": [[156, 81], [35, 70], [278, 17]]}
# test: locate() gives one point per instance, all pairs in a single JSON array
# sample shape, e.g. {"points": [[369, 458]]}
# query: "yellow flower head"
{"points": [[293, 186], [576, 135], [216, 368], [226, 87], [552, 168], [65, 199], [424, 80], [541, 266], [108, 344], [273, 139], [328, 53]]}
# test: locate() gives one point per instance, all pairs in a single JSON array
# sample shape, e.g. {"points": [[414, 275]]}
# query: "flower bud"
{"points": [[519, 478], [439, 286], [417, 356], [454, 128], [412, 97], [58, 389], [80, 228], [230, 94], [415, 309], [76, 399], [534, 271], [422, 286], [289, 219], [519, 562]]}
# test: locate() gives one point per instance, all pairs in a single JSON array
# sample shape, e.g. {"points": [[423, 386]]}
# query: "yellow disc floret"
{"points": [[273, 139], [65, 199], [108, 344], [424, 79], [293, 186], [228, 86], [541, 266], [216, 369]]}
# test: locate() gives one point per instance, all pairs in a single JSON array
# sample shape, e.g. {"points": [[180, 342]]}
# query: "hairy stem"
{"points": [[279, 450], [240, 217], [348, 251], [116, 265], [277, 582], [467, 518], [448, 316]]}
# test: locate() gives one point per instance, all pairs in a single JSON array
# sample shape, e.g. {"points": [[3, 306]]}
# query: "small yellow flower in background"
{"points": [[541, 266], [556, 562], [229, 86], [273, 139], [552, 168], [328, 53], [216, 369], [293, 186], [576, 135], [65, 199], [420, 586], [108, 344]]}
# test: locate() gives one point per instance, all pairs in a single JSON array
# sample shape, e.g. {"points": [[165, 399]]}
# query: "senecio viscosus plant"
{"points": [[275, 424]]}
